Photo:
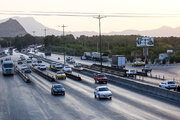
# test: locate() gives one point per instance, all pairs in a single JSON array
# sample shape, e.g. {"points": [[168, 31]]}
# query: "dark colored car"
{"points": [[20, 62], [27, 70], [100, 78], [39, 61], [57, 89]]}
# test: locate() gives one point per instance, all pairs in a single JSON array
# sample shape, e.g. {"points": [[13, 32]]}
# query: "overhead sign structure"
{"points": [[144, 41]]}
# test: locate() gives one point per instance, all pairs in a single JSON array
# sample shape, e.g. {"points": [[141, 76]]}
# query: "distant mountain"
{"points": [[11, 28], [163, 31], [30, 25]]}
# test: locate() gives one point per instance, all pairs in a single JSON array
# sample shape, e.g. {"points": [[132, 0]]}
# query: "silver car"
{"points": [[102, 92]]}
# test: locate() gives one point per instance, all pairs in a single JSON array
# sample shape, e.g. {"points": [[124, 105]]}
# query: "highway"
{"points": [[33, 101], [169, 72]]}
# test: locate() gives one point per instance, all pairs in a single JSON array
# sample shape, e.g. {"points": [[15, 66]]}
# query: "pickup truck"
{"points": [[130, 73], [100, 78]]}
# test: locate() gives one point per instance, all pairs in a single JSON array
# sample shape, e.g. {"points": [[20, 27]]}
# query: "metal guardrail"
{"points": [[22, 75]]}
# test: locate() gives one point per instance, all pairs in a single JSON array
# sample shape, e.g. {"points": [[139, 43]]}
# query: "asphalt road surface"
{"points": [[33, 101]]}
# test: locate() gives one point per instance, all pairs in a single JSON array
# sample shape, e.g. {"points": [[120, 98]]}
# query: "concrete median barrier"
{"points": [[23, 75], [73, 76], [47, 76]]}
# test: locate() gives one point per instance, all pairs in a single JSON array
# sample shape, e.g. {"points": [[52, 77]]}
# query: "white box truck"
{"points": [[8, 68], [118, 61]]}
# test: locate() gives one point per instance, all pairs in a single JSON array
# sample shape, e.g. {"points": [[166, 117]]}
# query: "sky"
{"points": [[108, 24]]}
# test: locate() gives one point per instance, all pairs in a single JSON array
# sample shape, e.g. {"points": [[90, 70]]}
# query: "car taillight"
{"points": [[168, 85]]}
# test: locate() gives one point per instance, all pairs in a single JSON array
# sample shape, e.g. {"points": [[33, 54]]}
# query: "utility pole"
{"points": [[64, 44], [99, 17], [34, 33], [45, 30], [34, 37]]}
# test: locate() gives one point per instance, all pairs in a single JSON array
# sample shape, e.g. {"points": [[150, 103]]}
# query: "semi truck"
{"points": [[97, 56], [86, 56], [118, 61]]}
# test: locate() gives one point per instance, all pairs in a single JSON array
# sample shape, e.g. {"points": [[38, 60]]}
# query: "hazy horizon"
{"points": [[109, 24]]}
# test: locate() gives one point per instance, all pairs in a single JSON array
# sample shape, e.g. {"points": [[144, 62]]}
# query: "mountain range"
{"points": [[11, 28], [30, 25]]}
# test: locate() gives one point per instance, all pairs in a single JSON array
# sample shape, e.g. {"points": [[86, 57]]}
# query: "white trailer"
{"points": [[118, 61]]}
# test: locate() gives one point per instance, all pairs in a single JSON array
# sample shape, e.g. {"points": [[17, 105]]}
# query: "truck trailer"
{"points": [[118, 61]]}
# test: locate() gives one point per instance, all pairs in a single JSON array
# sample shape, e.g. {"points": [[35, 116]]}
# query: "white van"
{"points": [[8, 68]]}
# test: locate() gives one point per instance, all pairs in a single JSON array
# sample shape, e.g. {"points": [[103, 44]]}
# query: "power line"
{"points": [[85, 14]]}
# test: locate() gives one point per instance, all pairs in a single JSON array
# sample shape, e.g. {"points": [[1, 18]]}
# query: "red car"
{"points": [[100, 78]]}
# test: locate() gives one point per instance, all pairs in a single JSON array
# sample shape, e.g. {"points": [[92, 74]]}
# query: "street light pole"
{"points": [[99, 17], [64, 44]]}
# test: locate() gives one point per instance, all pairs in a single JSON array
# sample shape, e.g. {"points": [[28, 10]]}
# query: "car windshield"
{"points": [[8, 65], [171, 82], [103, 89], [101, 76], [132, 70], [60, 73], [24, 66], [43, 65], [58, 86], [58, 65], [67, 67]]}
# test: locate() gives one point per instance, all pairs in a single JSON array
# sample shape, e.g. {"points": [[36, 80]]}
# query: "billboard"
{"points": [[144, 41]]}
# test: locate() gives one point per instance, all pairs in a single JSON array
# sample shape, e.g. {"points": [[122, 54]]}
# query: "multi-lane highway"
{"points": [[33, 101]]}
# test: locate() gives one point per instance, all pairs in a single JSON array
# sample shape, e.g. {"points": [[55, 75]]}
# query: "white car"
{"points": [[58, 65], [23, 67], [102, 92], [34, 63], [78, 66], [131, 73], [168, 85], [67, 69], [41, 67], [29, 61]]}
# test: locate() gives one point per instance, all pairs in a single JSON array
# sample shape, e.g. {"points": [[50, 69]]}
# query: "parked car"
{"points": [[34, 63], [168, 85], [100, 78], [67, 69], [41, 67], [146, 69], [60, 75], [57, 89], [102, 92], [130, 73]]}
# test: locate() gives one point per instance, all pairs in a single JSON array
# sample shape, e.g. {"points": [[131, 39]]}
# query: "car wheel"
{"points": [[99, 97], [64, 94], [52, 93], [110, 98], [94, 96]]}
